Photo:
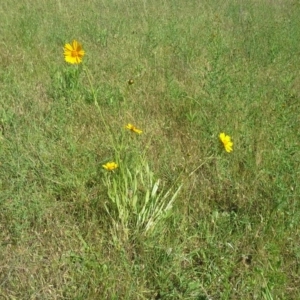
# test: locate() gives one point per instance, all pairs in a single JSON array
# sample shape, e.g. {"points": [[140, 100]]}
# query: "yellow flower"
{"points": [[110, 166], [226, 140], [73, 53], [133, 128]]}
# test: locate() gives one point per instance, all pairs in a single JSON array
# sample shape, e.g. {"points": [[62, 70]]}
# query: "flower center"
{"points": [[74, 53]]}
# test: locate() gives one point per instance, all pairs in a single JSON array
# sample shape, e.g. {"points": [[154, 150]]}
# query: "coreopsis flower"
{"points": [[133, 128], [226, 141], [73, 53], [110, 166]]}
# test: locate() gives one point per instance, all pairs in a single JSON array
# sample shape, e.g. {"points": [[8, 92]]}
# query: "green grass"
{"points": [[71, 230]]}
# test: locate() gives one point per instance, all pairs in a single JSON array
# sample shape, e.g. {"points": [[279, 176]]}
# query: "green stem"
{"points": [[107, 127]]}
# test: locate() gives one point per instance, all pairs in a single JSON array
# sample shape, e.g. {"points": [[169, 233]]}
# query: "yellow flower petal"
{"points": [[68, 47], [133, 128], [75, 44]]}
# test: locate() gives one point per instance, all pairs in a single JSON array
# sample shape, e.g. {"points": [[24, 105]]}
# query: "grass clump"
{"points": [[139, 200]]}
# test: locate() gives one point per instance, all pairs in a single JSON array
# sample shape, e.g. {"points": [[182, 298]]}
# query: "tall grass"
{"points": [[180, 218]]}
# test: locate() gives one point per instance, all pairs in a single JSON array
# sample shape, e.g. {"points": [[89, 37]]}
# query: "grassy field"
{"points": [[179, 218]]}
